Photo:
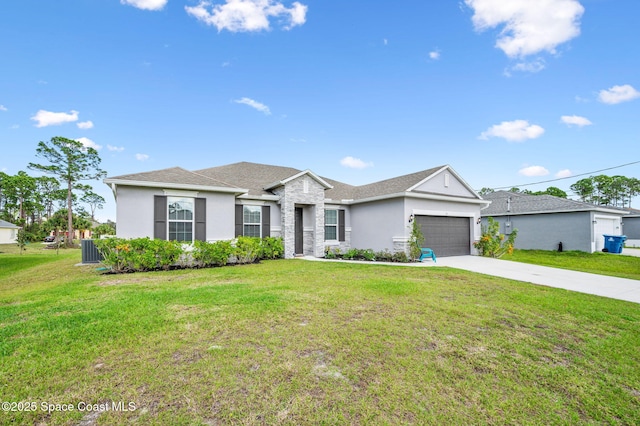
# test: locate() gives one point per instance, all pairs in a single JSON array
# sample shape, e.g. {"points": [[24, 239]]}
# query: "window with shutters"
{"points": [[180, 218], [252, 221], [330, 225]]}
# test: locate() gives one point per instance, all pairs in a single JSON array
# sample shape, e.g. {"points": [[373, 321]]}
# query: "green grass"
{"points": [[597, 263], [298, 342]]}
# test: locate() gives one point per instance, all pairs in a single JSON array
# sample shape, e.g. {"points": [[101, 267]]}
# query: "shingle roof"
{"points": [[393, 185], [5, 224], [255, 177], [252, 176], [176, 175], [526, 204]]}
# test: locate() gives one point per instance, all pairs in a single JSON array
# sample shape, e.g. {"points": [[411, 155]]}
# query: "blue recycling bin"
{"points": [[614, 243]]}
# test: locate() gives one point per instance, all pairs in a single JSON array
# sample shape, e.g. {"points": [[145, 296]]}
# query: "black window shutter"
{"points": [[266, 221], [160, 217], [239, 220], [341, 225], [201, 219]]}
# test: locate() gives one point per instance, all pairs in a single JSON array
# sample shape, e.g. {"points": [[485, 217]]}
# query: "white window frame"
{"points": [[176, 199], [255, 209], [333, 225]]}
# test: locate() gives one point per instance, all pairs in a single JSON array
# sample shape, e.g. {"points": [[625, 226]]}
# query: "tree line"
{"points": [[58, 200]]}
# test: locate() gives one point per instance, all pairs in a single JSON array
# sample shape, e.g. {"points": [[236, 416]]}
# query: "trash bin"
{"points": [[614, 243]]}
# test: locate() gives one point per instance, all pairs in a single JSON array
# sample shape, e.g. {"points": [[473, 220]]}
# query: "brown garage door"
{"points": [[447, 236]]}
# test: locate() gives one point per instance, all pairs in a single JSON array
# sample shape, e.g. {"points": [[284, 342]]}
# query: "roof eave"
{"points": [[435, 197], [185, 186]]}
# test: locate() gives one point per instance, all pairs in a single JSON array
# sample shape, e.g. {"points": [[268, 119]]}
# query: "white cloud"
{"points": [[532, 66], [435, 55], [529, 27], [115, 148], [142, 157], [248, 15], [254, 104], [88, 143], [513, 131], [48, 118], [385, 41], [575, 120], [3, 108], [618, 94], [534, 171], [565, 173], [85, 125], [146, 4], [354, 163]]}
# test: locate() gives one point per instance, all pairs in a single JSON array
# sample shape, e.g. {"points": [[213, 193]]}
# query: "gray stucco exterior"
{"points": [[545, 232], [374, 216], [134, 211]]}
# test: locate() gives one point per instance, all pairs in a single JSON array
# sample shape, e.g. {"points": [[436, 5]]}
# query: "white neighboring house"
{"points": [[8, 232]]}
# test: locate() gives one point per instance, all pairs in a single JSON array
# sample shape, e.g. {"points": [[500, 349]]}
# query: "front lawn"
{"points": [[596, 263], [299, 342]]}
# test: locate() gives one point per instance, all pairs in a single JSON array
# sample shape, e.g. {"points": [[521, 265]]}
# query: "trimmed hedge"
{"points": [[145, 254]]}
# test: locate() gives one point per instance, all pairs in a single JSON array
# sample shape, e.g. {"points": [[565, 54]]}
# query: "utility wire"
{"points": [[568, 177]]}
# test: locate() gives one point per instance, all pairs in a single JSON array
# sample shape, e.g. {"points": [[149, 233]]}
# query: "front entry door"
{"points": [[299, 249]]}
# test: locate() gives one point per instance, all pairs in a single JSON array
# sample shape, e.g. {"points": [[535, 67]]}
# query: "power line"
{"points": [[568, 177]]}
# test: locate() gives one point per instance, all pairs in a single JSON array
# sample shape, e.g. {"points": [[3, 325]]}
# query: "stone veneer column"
{"points": [[309, 195]]}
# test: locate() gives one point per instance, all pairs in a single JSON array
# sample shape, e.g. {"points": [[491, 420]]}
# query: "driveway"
{"points": [[582, 282]]}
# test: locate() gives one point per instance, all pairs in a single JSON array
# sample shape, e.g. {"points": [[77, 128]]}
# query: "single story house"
{"points": [[311, 213], [631, 228], [545, 221], [8, 232]]}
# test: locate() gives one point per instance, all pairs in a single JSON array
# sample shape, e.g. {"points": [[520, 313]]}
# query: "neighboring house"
{"points": [[631, 228], [8, 232], [309, 212], [544, 221]]}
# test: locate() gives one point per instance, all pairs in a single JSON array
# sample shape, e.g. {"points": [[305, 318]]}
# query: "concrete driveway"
{"points": [[600, 285]]}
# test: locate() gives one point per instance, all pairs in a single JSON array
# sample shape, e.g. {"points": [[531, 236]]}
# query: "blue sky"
{"points": [[507, 93]]}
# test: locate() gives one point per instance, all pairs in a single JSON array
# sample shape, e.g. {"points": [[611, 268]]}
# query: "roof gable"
{"points": [[446, 182]]}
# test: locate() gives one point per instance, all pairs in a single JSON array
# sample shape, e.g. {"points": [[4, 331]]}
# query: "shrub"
{"points": [[247, 249], [493, 243], [400, 257], [384, 256], [351, 254], [206, 254], [367, 254], [271, 248], [332, 253]]}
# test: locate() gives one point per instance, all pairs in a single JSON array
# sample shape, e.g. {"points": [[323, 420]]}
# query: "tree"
{"points": [[71, 162], [552, 190], [584, 189], [49, 192], [94, 201], [485, 191], [104, 229]]}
